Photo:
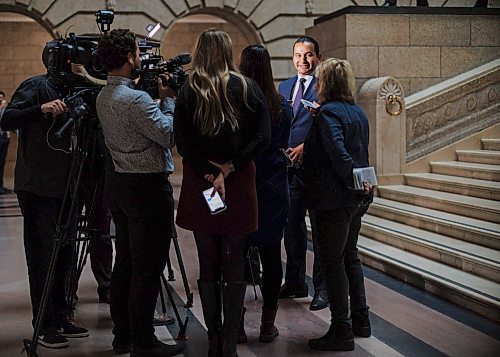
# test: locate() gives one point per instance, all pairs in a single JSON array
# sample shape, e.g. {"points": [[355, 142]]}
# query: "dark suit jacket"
{"points": [[301, 123], [337, 143]]}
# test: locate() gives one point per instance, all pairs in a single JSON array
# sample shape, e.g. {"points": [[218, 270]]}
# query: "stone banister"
{"points": [[452, 110]]}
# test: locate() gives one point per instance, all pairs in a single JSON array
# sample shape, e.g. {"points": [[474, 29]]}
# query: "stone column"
{"points": [[382, 100]]}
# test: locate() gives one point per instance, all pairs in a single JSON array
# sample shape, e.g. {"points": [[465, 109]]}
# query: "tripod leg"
{"points": [[170, 270], [165, 318], [182, 326], [31, 346], [67, 211], [189, 294]]}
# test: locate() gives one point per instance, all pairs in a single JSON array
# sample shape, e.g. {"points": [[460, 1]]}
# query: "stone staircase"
{"points": [[441, 230]]}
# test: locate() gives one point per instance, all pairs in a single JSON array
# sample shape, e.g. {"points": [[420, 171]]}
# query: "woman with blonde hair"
{"points": [[221, 123], [337, 143]]}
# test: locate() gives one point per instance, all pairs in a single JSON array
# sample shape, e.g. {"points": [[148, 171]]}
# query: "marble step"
{"points": [[473, 207], [464, 228], [476, 293], [467, 169], [479, 156], [491, 144], [469, 257], [454, 184]]}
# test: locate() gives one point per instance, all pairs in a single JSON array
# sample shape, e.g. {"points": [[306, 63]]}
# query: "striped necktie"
{"points": [[298, 96]]}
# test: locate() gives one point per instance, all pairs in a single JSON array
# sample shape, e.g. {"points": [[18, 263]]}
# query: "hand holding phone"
{"points": [[309, 105], [288, 159], [214, 202]]}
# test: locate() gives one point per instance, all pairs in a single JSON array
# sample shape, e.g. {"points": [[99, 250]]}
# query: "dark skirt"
{"points": [[241, 201]]}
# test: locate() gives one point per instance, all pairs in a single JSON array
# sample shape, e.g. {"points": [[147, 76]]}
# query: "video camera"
{"points": [[73, 64], [152, 65]]}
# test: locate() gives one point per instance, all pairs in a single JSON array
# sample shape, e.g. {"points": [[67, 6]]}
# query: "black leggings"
{"points": [[272, 274], [221, 254]]}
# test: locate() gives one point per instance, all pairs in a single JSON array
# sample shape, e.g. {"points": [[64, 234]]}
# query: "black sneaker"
{"points": [[53, 340], [162, 319], [71, 331]]}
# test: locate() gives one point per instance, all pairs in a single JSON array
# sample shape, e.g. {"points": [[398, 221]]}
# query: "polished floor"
{"points": [[405, 320]]}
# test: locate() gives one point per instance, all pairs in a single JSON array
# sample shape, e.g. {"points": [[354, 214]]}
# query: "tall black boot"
{"points": [[233, 297], [210, 294]]}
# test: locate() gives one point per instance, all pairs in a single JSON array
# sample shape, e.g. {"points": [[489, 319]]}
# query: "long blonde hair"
{"points": [[209, 78], [335, 81]]}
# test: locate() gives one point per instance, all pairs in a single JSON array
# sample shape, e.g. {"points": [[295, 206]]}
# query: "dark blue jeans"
{"points": [[40, 219], [337, 237], [295, 239], [142, 209]]}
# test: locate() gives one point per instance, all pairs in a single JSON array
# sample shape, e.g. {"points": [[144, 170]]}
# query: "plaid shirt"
{"points": [[138, 132]]}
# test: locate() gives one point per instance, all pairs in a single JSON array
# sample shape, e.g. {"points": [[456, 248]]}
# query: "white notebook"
{"points": [[364, 174]]}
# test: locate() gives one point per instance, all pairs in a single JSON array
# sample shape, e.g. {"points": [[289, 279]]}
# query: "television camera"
{"points": [[73, 63]]}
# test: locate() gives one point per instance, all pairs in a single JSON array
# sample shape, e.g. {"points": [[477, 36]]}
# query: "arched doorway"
{"points": [[182, 35]]}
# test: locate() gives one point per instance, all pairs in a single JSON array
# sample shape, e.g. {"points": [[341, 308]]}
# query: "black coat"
{"points": [[240, 146], [272, 183], [43, 160], [337, 143]]}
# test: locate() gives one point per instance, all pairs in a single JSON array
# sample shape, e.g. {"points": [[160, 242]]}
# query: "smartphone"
{"points": [[215, 202], [288, 159], [308, 104]]}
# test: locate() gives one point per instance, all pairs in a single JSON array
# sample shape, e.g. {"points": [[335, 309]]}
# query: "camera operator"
{"points": [[139, 135], [43, 163]]}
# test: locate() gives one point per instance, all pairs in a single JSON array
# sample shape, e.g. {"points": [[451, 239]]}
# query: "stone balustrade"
{"points": [[452, 110]]}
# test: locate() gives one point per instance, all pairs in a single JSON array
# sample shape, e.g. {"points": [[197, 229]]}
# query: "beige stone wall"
{"points": [[274, 23], [22, 44], [418, 50]]}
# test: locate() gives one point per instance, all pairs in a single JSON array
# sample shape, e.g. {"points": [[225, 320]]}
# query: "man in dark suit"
{"points": [[306, 56]]}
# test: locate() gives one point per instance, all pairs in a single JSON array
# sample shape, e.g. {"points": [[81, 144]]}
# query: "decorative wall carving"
{"points": [[392, 93], [309, 7], [452, 115], [391, 86]]}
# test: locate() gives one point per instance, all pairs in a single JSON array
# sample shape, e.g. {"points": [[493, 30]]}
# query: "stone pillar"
{"points": [[382, 100]]}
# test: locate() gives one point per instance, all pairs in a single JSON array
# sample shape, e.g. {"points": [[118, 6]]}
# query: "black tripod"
{"points": [[65, 219], [92, 228], [189, 294]]}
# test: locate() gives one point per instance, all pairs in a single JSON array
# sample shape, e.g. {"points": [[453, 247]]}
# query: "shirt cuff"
{"points": [[168, 105]]}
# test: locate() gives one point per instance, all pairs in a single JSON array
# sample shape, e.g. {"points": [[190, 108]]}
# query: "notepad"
{"points": [[364, 174]]}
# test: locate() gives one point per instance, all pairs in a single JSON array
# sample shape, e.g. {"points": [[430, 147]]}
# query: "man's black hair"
{"points": [[114, 48], [310, 40]]}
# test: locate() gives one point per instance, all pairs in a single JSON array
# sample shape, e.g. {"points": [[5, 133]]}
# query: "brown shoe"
{"points": [[268, 332]]}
